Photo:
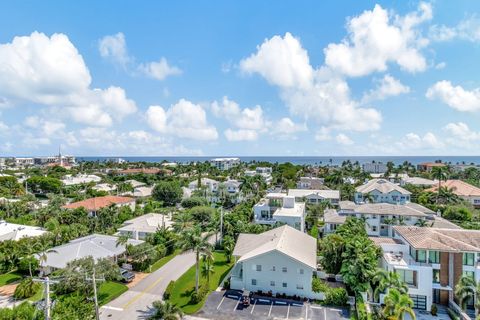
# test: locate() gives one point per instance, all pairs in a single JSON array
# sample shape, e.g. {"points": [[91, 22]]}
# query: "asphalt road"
{"points": [[135, 303]]}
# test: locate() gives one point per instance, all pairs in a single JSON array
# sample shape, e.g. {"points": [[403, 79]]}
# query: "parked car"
{"points": [[126, 275], [246, 298]]}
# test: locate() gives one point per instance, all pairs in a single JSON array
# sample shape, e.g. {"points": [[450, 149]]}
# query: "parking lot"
{"points": [[228, 305]]}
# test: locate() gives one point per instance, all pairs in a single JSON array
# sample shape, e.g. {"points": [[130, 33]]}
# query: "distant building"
{"points": [[381, 190], [152, 171], [93, 205], [70, 180], [264, 172], [462, 189], [281, 261], [23, 162], [428, 166], [374, 167], [313, 183], [225, 163]]}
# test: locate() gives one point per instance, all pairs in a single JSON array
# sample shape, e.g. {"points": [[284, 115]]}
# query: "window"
{"points": [[273, 268], [469, 274], [254, 282], [284, 269], [436, 276], [434, 256], [468, 258], [284, 284], [374, 228], [407, 276], [272, 283], [259, 267], [418, 255], [300, 271], [299, 286]]}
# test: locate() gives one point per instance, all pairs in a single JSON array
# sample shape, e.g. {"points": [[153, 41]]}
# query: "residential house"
{"points": [[70, 180], [462, 189], [281, 261], [135, 183], [93, 205], [431, 261], [264, 172], [381, 190], [281, 208], [374, 167], [152, 171], [12, 231], [312, 183], [224, 163], [380, 218], [96, 245], [209, 184], [428, 166], [418, 181], [315, 196], [105, 187], [141, 227]]}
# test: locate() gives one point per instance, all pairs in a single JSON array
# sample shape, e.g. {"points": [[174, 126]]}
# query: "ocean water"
{"points": [[305, 160]]}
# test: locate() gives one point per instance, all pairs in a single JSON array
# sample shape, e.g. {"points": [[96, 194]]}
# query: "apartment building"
{"points": [[431, 261], [264, 172], [279, 207], [374, 167], [312, 183], [225, 163], [282, 260], [315, 196], [381, 218], [381, 191]]}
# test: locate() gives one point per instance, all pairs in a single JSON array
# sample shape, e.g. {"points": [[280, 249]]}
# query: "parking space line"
{"points": [[218, 307], [264, 300], [325, 313], [315, 307], [253, 308], [280, 302], [306, 312], [236, 305], [288, 311], [270, 311]]}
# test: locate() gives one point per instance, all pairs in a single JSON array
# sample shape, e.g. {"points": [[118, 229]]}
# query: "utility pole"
{"points": [[46, 281], [95, 298]]}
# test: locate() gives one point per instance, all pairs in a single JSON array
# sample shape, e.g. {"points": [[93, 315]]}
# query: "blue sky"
{"points": [[240, 78]]}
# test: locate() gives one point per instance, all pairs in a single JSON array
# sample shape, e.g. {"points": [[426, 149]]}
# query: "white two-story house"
{"points": [[315, 196], [381, 190], [431, 261], [279, 207], [282, 260]]}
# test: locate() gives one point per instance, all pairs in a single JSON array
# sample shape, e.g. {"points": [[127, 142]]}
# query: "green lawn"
{"points": [[110, 290], [185, 285], [8, 278], [161, 262]]}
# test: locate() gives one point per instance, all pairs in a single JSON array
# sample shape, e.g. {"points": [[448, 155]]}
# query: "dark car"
{"points": [[126, 275]]}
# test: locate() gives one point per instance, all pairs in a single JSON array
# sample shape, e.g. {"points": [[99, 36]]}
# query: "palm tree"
{"points": [[465, 290], [164, 310], [422, 223], [398, 304], [228, 246], [192, 239], [182, 221], [387, 280], [44, 250], [368, 197], [440, 173], [207, 269]]}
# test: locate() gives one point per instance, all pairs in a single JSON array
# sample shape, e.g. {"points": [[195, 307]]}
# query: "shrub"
{"points": [[226, 284], [318, 285], [168, 290], [194, 202], [452, 314], [26, 289], [457, 214], [202, 293], [24, 265], [336, 297], [434, 310]]}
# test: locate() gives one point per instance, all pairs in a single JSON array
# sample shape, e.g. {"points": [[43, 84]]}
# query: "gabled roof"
{"points": [[285, 239], [96, 245], [382, 185], [459, 187], [97, 203], [408, 209], [12, 231], [451, 240], [326, 194]]}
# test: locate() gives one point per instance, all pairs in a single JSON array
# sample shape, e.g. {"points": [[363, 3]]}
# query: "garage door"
{"points": [[419, 302]]}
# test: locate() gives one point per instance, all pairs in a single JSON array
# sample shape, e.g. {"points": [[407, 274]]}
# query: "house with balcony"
{"points": [[315, 196], [431, 261], [282, 260], [380, 218], [381, 191], [264, 172], [281, 208]]}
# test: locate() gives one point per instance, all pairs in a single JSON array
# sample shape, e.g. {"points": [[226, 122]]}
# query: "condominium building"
{"points": [[282, 260], [264, 172], [380, 218], [431, 261], [225, 163], [381, 191], [374, 167], [279, 207]]}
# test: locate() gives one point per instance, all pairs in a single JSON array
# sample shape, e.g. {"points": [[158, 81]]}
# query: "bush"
{"points": [[194, 202], [319, 285], [458, 214], [26, 289], [434, 310], [202, 293], [336, 297], [168, 290], [25, 263], [452, 314], [169, 192]]}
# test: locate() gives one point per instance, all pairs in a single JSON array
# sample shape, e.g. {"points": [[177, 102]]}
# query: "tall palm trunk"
{"points": [[197, 258]]}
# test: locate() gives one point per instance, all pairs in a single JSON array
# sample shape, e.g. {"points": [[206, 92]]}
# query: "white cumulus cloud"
{"points": [[241, 135], [455, 96], [114, 47], [159, 70], [468, 29], [343, 139], [386, 87]]}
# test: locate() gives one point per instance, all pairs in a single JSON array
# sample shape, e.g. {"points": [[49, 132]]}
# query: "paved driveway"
{"points": [[226, 305], [135, 303]]}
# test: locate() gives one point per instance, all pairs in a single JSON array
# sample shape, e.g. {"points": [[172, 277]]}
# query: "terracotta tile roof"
{"points": [[143, 170], [94, 204], [385, 240], [460, 188], [432, 164], [451, 240]]}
